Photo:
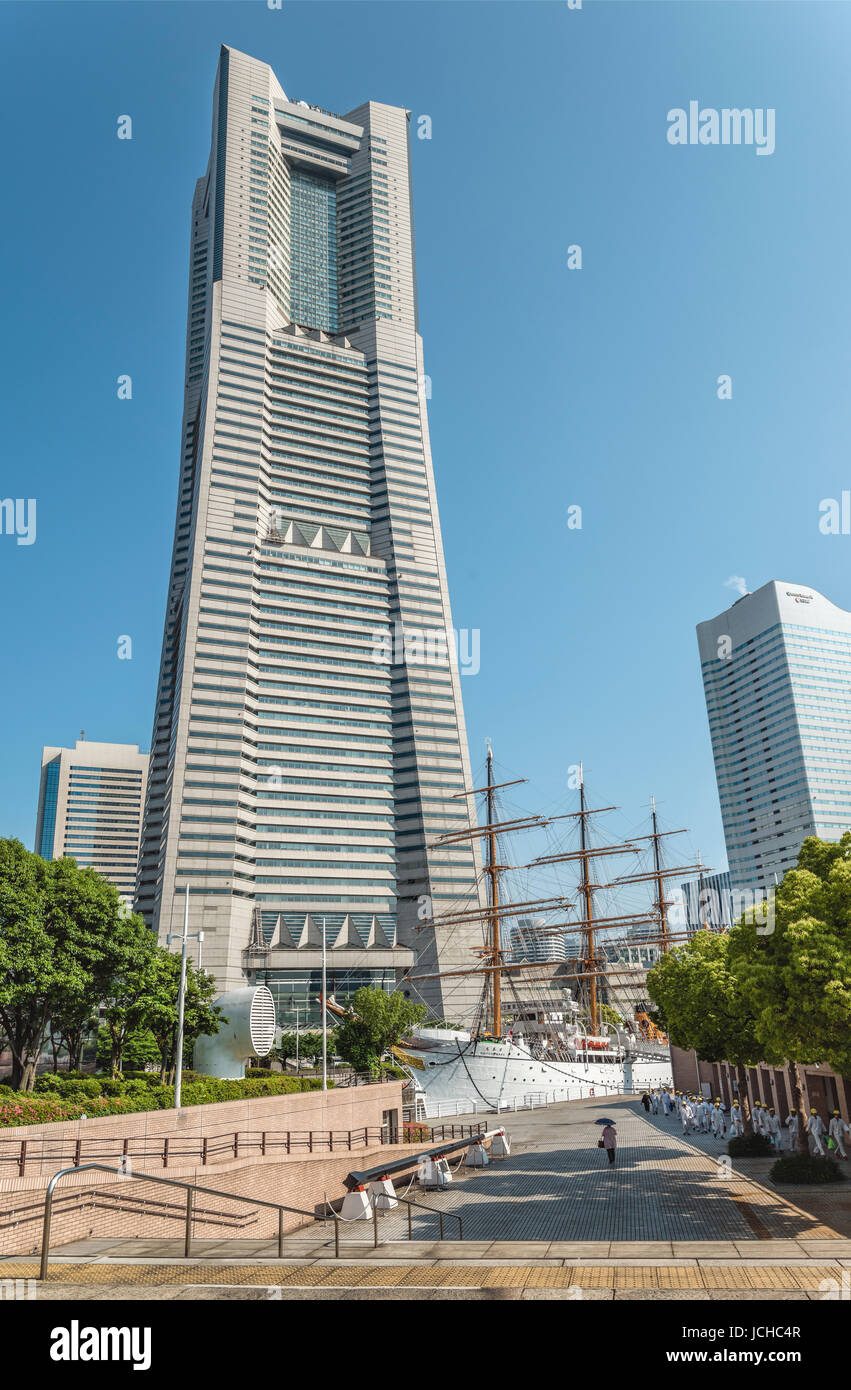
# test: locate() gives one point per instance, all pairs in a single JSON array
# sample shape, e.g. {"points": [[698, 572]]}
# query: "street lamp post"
{"points": [[181, 996]]}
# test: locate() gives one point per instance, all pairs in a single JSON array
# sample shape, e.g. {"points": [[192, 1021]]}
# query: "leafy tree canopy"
{"points": [[795, 972], [700, 1003], [375, 1021]]}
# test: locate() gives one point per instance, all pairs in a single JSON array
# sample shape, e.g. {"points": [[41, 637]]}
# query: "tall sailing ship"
{"points": [[548, 1029]]}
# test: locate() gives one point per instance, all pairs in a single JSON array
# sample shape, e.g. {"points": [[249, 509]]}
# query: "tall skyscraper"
{"points": [[309, 743], [90, 803], [777, 677], [708, 902]]}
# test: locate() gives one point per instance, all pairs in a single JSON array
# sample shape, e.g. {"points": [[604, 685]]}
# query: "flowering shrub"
{"points": [[23, 1109], [414, 1134], [20, 1108]]}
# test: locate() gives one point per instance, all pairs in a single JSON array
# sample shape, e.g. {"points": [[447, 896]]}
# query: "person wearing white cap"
{"points": [[792, 1127], [774, 1129], [737, 1129], [815, 1129], [837, 1130]]}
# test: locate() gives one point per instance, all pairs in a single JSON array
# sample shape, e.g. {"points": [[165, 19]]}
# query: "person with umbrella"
{"points": [[608, 1139]]}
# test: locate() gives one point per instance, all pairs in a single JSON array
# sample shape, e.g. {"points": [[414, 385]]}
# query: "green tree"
{"points": [[374, 1022], [69, 1028], [56, 924], [795, 971], [27, 968], [139, 1049], [701, 1006], [160, 1000], [611, 1016], [309, 1045], [130, 983]]}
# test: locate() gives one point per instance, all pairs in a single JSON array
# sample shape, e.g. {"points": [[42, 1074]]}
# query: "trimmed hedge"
{"points": [[750, 1146], [208, 1090], [807, 1168], [65, 1102], [23, 1109]]}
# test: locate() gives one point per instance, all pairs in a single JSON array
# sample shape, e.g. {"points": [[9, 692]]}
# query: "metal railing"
{"points": [[402, 1201], [198, 1149], [191, 1189]]}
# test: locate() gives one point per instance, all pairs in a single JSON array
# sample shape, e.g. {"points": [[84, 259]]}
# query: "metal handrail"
{"points": [[409, 1202], [190, 1189], [174, 1147], [167, 1148]]}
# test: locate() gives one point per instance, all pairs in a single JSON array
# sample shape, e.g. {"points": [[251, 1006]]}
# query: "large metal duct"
{"points": [[249, 1032]]}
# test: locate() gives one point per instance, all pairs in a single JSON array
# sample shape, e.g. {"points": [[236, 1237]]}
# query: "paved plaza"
{"points": [[558, 1186], [669, 1220]]}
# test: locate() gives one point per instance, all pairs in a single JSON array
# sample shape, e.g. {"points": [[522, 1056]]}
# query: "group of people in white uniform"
{"points": [[701, 1116]]}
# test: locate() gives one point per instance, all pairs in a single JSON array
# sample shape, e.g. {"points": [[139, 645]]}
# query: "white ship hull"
{"points": [[455, 1074]]}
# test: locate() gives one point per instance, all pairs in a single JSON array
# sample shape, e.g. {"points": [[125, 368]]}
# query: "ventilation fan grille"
{"points": [[262, 1021]]}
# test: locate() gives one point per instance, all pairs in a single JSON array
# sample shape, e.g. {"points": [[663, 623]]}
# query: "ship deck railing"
{"points": [[531, 1100]]}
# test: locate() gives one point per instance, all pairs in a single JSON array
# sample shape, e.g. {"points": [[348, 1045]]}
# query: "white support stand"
{"points": [[383, 1194], [500, 1145], [434, 1173], [356, 1206], [477, 1157]]}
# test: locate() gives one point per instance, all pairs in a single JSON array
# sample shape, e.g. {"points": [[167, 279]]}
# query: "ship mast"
{"points": [[493, 874], [659, 873], [495, 909], [661, 901], [588, 893]]}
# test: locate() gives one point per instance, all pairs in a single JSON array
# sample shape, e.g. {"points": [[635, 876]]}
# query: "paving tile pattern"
{"points": [[561, 1187], [800, 1278]]}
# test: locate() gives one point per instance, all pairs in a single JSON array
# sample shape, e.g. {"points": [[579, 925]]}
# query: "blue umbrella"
{"points": [[605, 1122]]}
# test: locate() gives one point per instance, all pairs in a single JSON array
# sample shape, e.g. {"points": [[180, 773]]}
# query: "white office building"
{"points": [[309, 743], [90, 808], [777, 677], [533, 939]]}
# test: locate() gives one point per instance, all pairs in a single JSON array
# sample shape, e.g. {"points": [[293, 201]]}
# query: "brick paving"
{"points": [[668, 1221], [801, 1279], [558, 1186]]}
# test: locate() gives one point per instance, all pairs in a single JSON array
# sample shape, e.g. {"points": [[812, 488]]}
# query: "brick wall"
{"points": [[106, 1205], [823, 1089], [338, 1112], [116, 1206]]}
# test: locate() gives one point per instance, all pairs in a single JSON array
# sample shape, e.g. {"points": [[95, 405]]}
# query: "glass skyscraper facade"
{"points": [[777, 677], [708, 902], [305, 757]]}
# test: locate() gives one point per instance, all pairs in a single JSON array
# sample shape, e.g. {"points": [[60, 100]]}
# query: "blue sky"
{"points": [[551, 387]]}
